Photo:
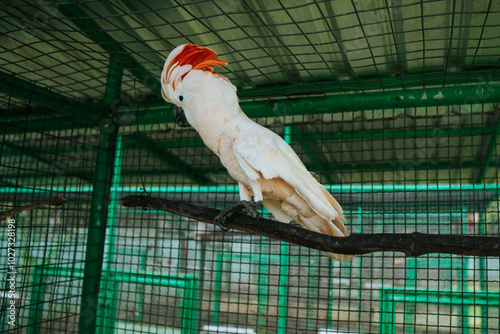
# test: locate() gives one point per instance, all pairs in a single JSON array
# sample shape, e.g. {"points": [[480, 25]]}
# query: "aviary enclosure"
{"points": [[392, 104]]}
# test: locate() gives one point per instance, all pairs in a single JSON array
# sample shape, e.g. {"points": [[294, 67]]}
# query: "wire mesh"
{"points": [[83, 118]]}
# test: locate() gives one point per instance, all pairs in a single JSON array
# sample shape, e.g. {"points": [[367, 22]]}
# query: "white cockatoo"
{"points": [[264, 165]]}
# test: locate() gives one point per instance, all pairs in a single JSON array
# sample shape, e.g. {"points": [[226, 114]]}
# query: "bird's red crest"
{"points": [[175, 69], [200, 57]]}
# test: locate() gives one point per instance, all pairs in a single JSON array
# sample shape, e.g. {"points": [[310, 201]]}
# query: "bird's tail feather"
{"points": [[314, 223], [332, 228], [339, 225]]}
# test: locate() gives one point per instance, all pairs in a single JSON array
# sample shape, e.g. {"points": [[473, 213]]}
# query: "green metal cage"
{"points": [[392, 104]]}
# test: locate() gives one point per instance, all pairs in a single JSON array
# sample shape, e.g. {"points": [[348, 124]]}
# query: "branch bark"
{"points": [[51, 201], [412, 244]]}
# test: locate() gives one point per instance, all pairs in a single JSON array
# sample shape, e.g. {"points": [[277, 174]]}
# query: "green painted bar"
{"points": [[284, 261], [460, 95], [106, 317], [329, 320], [103, 177], [108, 320], [114, 80], [189, 308], [389, 296], [263, 288], [114, 203], [145, 278], [217, 286], [410, 80], [161, 111], [483, 275], [36, 307], [139, 307], [97, 232], [351, 188], [375, 101], [411, 270], [463, 310], [283, 288], [183, 281], [361, 214]]}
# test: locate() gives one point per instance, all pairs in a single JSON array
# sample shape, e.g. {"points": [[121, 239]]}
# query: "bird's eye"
{"points": [[181, 97]]}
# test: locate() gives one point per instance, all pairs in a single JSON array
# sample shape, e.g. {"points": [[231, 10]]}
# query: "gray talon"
{"points": [[221, 222], [241, 206]]}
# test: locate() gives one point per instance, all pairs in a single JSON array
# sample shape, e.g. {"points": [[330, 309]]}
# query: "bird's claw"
{"points": [[249, 207], [241, 206], [221, 222]]}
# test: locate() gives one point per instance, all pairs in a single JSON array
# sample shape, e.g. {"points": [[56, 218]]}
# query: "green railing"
{"points": [[108, 303], [461, 300]]}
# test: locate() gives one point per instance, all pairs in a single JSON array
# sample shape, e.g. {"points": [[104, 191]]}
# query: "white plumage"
{"points": [[264, 165]]}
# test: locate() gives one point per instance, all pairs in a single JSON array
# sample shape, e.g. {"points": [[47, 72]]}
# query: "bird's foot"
{"points": [[241, 206]]}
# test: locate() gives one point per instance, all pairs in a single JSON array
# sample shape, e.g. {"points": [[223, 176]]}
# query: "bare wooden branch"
{"points": [[56, 201], [412, 244]]}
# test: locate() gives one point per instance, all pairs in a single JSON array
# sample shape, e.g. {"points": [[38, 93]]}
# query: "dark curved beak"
{"points": [[179, 117]]}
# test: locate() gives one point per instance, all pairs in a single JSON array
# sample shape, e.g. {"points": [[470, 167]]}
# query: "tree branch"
{"points": [[412, 244], [51, 201]]}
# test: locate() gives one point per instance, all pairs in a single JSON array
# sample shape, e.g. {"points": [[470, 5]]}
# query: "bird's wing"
{"points": [[264, 154]]}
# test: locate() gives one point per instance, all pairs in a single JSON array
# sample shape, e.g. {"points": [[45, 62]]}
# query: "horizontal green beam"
{"points": [[409, 80], [413, 98], [161, 111], [347, 188], [141, 276]]}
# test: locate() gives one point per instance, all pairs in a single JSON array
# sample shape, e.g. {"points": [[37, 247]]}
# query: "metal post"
{"points": [[283, 288], [36, 300], [103, 175], [263, 288], [483, 272], [360, 268], [284, 263], [463, 279], [219, 258], [106, 320]]}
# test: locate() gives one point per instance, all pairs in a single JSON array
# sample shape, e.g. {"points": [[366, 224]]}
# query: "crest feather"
{"points": [[185, 58]]}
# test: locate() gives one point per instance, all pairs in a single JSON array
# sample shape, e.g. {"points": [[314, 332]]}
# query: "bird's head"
{"points": [[188, 82]]}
